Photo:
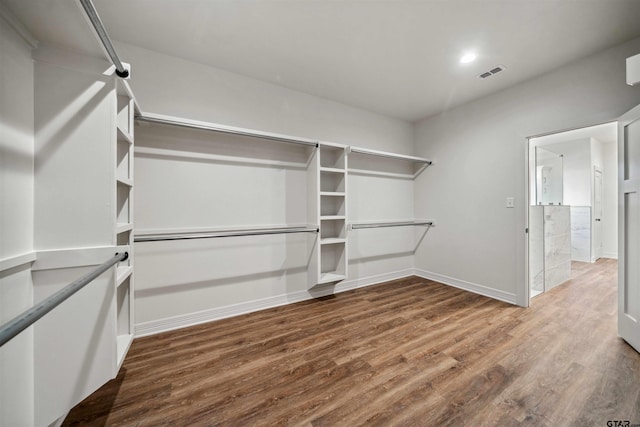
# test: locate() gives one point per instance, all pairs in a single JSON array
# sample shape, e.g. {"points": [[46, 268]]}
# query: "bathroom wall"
{"points": [[581, 233], [557, 246], [549, 247]]}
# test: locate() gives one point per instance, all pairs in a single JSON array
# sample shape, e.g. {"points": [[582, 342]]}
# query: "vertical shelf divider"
{"points": [[331, 194], [123, 231]]}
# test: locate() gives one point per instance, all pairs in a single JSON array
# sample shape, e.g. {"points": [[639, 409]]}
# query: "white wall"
{"points": [[180, 283], [173, 86], [576, 157], [16, 222], [610, 207], [480, 150]]}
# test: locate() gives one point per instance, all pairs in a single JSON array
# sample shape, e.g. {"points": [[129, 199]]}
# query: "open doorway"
{"points": [[573, 216]]}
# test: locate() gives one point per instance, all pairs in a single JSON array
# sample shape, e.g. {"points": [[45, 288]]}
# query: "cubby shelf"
{"points": [[330, 278], [124, 136], [332, 193], [331, 217], [122, 273], [123, 342], [123, 227], [332, 241], [332, 170], [125, 181]]}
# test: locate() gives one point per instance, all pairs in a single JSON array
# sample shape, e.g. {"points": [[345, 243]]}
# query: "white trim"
{"points": [[185, 320], [18, 26], [17, 261], [75, 257], [612, 255], [468, 286]]}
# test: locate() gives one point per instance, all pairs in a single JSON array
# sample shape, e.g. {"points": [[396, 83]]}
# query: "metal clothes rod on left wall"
{"points": [[27, 318], [92, 15]]}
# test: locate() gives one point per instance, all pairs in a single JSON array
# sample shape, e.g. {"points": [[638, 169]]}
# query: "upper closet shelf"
{"points": [[390, 155], [124, 136], [214, 127]]}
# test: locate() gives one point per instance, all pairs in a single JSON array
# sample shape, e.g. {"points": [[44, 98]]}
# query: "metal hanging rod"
{"points": [[390, 224], [30, 316], [391, 155], [193, 124], [95, 20], [225, 233]]}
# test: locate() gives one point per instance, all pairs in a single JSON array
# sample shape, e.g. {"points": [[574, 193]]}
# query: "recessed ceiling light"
{"points": [[468, 57]]}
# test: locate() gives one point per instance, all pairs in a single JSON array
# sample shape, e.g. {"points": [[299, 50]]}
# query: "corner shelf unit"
{"points": [[123, 230], [328, 182]]}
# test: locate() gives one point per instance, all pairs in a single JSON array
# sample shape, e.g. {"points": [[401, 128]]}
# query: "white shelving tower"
{"points": [[123, 232], [328, 182], [83, 188]]}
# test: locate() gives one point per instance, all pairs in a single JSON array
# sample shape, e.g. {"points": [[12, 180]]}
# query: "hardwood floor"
{"points": [[406, 352]]}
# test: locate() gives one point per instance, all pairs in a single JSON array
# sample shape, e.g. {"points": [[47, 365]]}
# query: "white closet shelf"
{"points": [[124, 136], [331, 217], [123, 342], [330, 277], [125, 181], [122, 273], [123, 227], [214, 127], [332, 170], [332, 193], [332, 241], [390, 155]]}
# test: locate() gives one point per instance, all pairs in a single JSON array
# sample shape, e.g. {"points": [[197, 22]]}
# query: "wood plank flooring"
{"points": [[406, 352]]}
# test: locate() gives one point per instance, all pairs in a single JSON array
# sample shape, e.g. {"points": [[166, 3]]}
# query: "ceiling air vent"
{"points": [[491, 72]]}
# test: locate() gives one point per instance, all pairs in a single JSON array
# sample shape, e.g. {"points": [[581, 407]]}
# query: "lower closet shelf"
{"points": [[123, 343], [331, 277], [122, 273], [332, 241]]}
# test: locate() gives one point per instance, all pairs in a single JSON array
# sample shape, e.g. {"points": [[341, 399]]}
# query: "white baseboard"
{"points": [[612, 255], [468, 286], [190, 319]]}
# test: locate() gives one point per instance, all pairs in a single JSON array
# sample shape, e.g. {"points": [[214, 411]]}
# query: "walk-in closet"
{"points": [[317, 213]]}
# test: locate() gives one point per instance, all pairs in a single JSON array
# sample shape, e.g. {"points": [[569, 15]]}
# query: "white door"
{"points": [[597, 215], [629, 227]]}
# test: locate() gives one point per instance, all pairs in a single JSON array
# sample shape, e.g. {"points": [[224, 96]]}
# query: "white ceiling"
{"points": [[398, 58]]}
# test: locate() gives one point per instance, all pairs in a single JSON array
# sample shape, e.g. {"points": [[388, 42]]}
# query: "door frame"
{"points": [[624, 322], [594, 217], [528, 159]]}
